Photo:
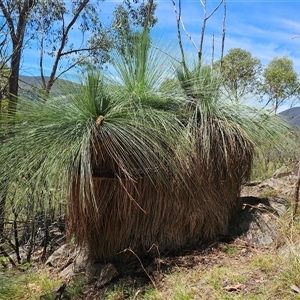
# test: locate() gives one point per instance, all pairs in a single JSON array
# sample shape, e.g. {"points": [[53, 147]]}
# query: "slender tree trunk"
{"points": [[13, 80], [178, 18], [223, 36], [205, 18], [31, 241], [202, 32]]}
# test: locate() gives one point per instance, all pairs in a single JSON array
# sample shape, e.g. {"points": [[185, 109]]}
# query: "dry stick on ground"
{"points": [[296, 195], [159, 259], [148, 275]]}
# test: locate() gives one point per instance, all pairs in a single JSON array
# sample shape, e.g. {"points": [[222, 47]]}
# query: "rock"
{"points": [[107, 274], [290, 250], [74, 261], [80, 263], [94, 270], [285, 171], [280, 205], [68, 272], [60, 256], [280, 182], [257, 222]]}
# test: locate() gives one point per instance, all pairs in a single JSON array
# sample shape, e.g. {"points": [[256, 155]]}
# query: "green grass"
{"points": [[262, 274], [28, 285], [230, 250]]}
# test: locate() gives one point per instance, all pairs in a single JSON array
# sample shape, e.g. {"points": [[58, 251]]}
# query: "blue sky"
{"points": [[265, 28]]}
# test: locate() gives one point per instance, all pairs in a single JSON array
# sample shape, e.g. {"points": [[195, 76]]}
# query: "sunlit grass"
{"points": [[28, 285]]}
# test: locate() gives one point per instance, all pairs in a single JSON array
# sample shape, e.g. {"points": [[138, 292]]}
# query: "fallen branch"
{"points": [[296, 194], [148, 275]]}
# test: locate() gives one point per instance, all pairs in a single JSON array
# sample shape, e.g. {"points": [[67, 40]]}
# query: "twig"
{"points": [[296, 195], [136, 294], [188, 35], [148, 275], [165, 52], [159, 260]]}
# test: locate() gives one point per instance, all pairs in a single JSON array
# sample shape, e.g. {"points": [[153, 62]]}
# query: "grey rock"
{"points": [[67, 272], [59, 256], [81, 261], [257, 222], [107, 274]]}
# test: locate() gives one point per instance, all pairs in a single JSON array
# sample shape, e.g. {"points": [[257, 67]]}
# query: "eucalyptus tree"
{"points": [[280, 81], [49, 27], [54, 23], [49, 23], [16, 15], [241, 74], [128, 20]]}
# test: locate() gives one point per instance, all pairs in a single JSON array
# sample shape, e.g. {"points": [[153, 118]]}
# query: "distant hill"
{"points": [[30, 85], [292, 115]]}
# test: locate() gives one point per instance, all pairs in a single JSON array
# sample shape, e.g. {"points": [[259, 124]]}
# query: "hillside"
{"points": [[29, 86], [292, 115]]}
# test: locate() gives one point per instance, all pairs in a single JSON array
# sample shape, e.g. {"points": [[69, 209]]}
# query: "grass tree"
{"points": [[139, 167], [225, 136]]}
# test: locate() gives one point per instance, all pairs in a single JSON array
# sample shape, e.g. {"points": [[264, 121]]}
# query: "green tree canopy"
{"points": [[129, 18], [280, 81], [240, 72]]}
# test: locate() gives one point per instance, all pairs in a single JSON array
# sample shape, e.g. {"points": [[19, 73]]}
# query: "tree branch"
{"points": [[188, 35], [178, 18], [9, 21], [214, 10], [63, 43]]}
